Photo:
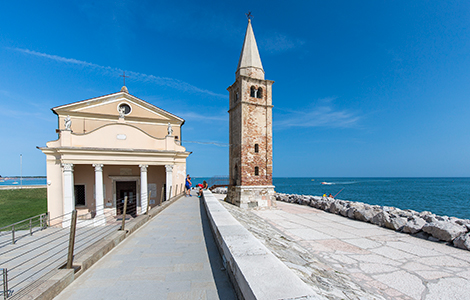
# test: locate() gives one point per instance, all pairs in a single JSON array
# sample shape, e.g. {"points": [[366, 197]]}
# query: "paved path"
{"points": [[381, 261], [173, 256]]}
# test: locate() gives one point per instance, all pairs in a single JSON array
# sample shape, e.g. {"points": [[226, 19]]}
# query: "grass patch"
{"points": [[20, 204]]}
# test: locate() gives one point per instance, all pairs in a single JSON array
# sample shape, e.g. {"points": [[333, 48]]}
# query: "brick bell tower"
{"points": [[251, 150]]}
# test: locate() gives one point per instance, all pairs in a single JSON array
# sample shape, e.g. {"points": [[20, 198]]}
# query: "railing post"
{"points": [[5, 283], [73, 226], [48, 219], [169, 194], [40, 222], [161, 196], [13, 234], [31, 226], [148, 206], [182, 189], [124, 214]]}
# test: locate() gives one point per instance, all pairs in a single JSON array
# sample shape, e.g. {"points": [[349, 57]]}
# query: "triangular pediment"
{"points": [[107, 106]]}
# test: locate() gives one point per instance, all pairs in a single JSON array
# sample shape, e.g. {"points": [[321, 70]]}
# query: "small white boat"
{"points": [[327, 183]]}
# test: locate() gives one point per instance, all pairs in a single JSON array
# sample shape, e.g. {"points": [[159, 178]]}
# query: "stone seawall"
{"points": [[427, 225]]}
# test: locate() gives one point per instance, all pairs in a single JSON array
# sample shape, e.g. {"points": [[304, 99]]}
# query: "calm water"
{"points": [[26, 181], [442, 196]]}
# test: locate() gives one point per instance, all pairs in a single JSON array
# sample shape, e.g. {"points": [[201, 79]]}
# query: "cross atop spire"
{"points": [[124, 88], [249, 16], [250, 61], [124, 77]]}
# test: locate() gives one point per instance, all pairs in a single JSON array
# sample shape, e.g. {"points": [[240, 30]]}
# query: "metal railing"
{"points": [[218, 181], [26, 258], [23, 228], [66, 236]]}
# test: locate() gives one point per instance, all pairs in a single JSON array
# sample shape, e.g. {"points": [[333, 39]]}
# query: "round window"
{"points": [[125, 107]]}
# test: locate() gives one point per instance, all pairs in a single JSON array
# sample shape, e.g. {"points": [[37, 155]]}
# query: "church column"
{"points": [[69, 194], [169, 180], [143, 188], [99, 197]]}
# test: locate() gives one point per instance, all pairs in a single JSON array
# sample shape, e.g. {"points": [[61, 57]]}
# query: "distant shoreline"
{"points": [[19, 177], [19, 187]]}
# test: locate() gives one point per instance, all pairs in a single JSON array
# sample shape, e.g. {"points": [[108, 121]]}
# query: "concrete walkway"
{"points": [[173, 256], [381, 261]]}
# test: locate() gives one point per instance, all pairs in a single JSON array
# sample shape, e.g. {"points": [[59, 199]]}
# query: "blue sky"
{"points": [[362, 88]]}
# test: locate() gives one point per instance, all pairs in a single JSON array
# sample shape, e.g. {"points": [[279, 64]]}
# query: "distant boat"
{"points": [[15, 182], [327, 183]]}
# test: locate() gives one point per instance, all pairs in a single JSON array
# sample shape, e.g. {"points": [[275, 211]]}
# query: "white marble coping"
{"points": [[255, 272]]}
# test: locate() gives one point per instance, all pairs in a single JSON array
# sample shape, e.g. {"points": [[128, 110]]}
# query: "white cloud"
{"points": [[164, 81], [319, 116], [222, 116], [280, 43]]}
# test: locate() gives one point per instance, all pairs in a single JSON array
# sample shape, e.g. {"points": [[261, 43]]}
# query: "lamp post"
{"points": [[21, 170]]}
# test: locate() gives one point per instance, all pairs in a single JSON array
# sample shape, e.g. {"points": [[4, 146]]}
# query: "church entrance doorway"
{"points": [[129, 189]]}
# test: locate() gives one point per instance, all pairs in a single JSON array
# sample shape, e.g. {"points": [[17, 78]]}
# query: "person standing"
{"points": [[187, 186]]}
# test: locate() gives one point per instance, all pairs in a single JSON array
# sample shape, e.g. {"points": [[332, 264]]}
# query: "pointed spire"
{"points": [[250, 61]]}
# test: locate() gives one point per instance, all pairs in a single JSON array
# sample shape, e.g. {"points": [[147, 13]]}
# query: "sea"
{"points": [[442, 196], [18, 181]]}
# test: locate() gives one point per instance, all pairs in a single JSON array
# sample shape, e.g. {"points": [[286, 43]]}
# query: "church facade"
{"points": [[110, 147], [251, 150]]}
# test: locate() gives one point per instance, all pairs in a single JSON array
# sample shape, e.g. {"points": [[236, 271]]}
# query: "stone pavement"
{"points": [[173, 256], [350, 259]]}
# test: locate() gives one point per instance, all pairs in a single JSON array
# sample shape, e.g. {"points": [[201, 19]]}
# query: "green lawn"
{"points": [[20, 204]]}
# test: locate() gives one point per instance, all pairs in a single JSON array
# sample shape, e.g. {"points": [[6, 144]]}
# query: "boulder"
{"points": [[380, 219], [444, 231], [335, 207], [414, 225], [463, 241], [364, 214], [395, 222], [350, 212], [430, 218], [461, 221], [344, 211], [424, 213]]}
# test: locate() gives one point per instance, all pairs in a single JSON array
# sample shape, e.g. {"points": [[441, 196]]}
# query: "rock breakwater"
{"points": [[423, 224]]}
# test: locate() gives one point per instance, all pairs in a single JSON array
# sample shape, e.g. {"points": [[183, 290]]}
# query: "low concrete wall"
{"points": [[255, 272], [48, 288], [61, 278]]}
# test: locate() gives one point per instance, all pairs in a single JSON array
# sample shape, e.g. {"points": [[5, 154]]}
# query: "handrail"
{"points": [[43, 214]]}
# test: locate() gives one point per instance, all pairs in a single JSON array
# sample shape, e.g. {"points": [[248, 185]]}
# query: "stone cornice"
{"points": [[250, 103], [127, 151]]}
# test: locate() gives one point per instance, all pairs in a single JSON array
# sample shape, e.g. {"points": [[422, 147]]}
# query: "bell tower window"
{"points": [[256, 171], [260, 93], [253, 92], [256, 148]]}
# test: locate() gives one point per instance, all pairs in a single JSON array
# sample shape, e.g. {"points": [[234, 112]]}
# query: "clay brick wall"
{"points": [[250, 124]]}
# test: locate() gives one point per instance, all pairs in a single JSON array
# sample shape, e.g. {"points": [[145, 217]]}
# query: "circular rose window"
{"points": [[125, 107]]}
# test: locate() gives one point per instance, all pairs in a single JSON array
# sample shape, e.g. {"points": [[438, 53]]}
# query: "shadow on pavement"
{"points": [[225, 289]]}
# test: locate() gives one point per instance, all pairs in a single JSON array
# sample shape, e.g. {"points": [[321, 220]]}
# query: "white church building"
{"points": [[110, 147]]}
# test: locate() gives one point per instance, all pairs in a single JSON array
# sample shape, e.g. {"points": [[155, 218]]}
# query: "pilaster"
{"points": [[99, 197], [69, 193], [169, 181], [143, 188]]}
